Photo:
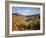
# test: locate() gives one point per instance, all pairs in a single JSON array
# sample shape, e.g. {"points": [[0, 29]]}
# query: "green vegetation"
{"points": [[21, 23]]}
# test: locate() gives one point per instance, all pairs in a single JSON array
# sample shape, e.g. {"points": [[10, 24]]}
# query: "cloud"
{"points": [[26, 12]]}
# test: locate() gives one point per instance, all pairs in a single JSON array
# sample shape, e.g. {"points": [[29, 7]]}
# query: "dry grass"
{"points": [[20, 23]]}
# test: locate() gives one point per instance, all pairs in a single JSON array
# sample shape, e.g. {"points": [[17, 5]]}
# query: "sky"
{"points": [[26, 10]]}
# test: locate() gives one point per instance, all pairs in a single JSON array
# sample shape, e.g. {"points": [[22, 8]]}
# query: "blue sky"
{"points": [[26, 10]]}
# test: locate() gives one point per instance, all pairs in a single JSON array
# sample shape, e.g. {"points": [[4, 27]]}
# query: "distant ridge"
{"points": [[33, 15], [27, 15]]}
